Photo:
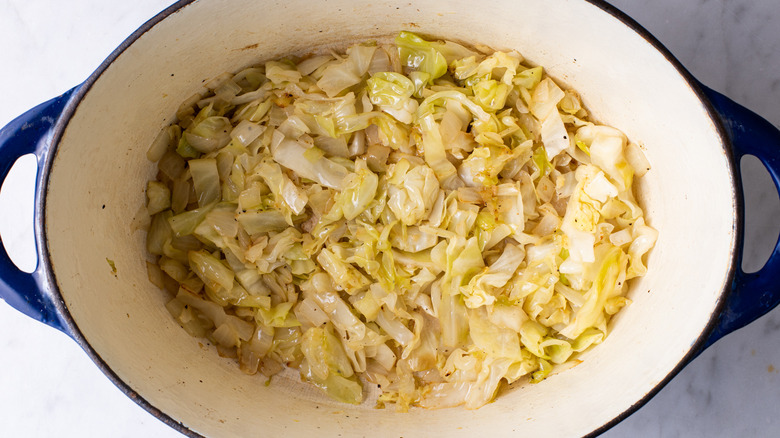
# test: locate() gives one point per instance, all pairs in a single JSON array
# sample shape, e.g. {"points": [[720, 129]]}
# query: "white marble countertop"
{"points": [[49, 387]]}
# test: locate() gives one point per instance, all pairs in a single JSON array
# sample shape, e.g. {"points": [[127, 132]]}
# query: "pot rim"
{"points": [[73, 330]]}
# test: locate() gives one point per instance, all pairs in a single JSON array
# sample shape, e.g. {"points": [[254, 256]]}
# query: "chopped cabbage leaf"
{"points": [[420, 55]]}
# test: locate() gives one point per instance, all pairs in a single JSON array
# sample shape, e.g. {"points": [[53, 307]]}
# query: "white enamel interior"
{"points": [[688, 197]]}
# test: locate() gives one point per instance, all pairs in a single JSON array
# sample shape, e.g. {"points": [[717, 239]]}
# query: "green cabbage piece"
{"points": [[211, 270], [490, 94], [421, 55], [392, 93], [291, 155], [389, 88], [158, 197], [359, 191], [434, 151], [205, 179], [610, 265], [327, 366], [412, 192]]}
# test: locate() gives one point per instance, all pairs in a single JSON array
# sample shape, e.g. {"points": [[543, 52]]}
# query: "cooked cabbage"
{"points": [[418, 216]]}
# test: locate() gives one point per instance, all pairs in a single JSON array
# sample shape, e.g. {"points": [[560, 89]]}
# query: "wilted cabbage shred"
{"points": [[423, 217]]}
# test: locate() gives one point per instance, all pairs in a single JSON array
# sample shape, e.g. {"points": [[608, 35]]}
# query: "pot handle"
{"points": [[752, 294], [30, 133]]}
